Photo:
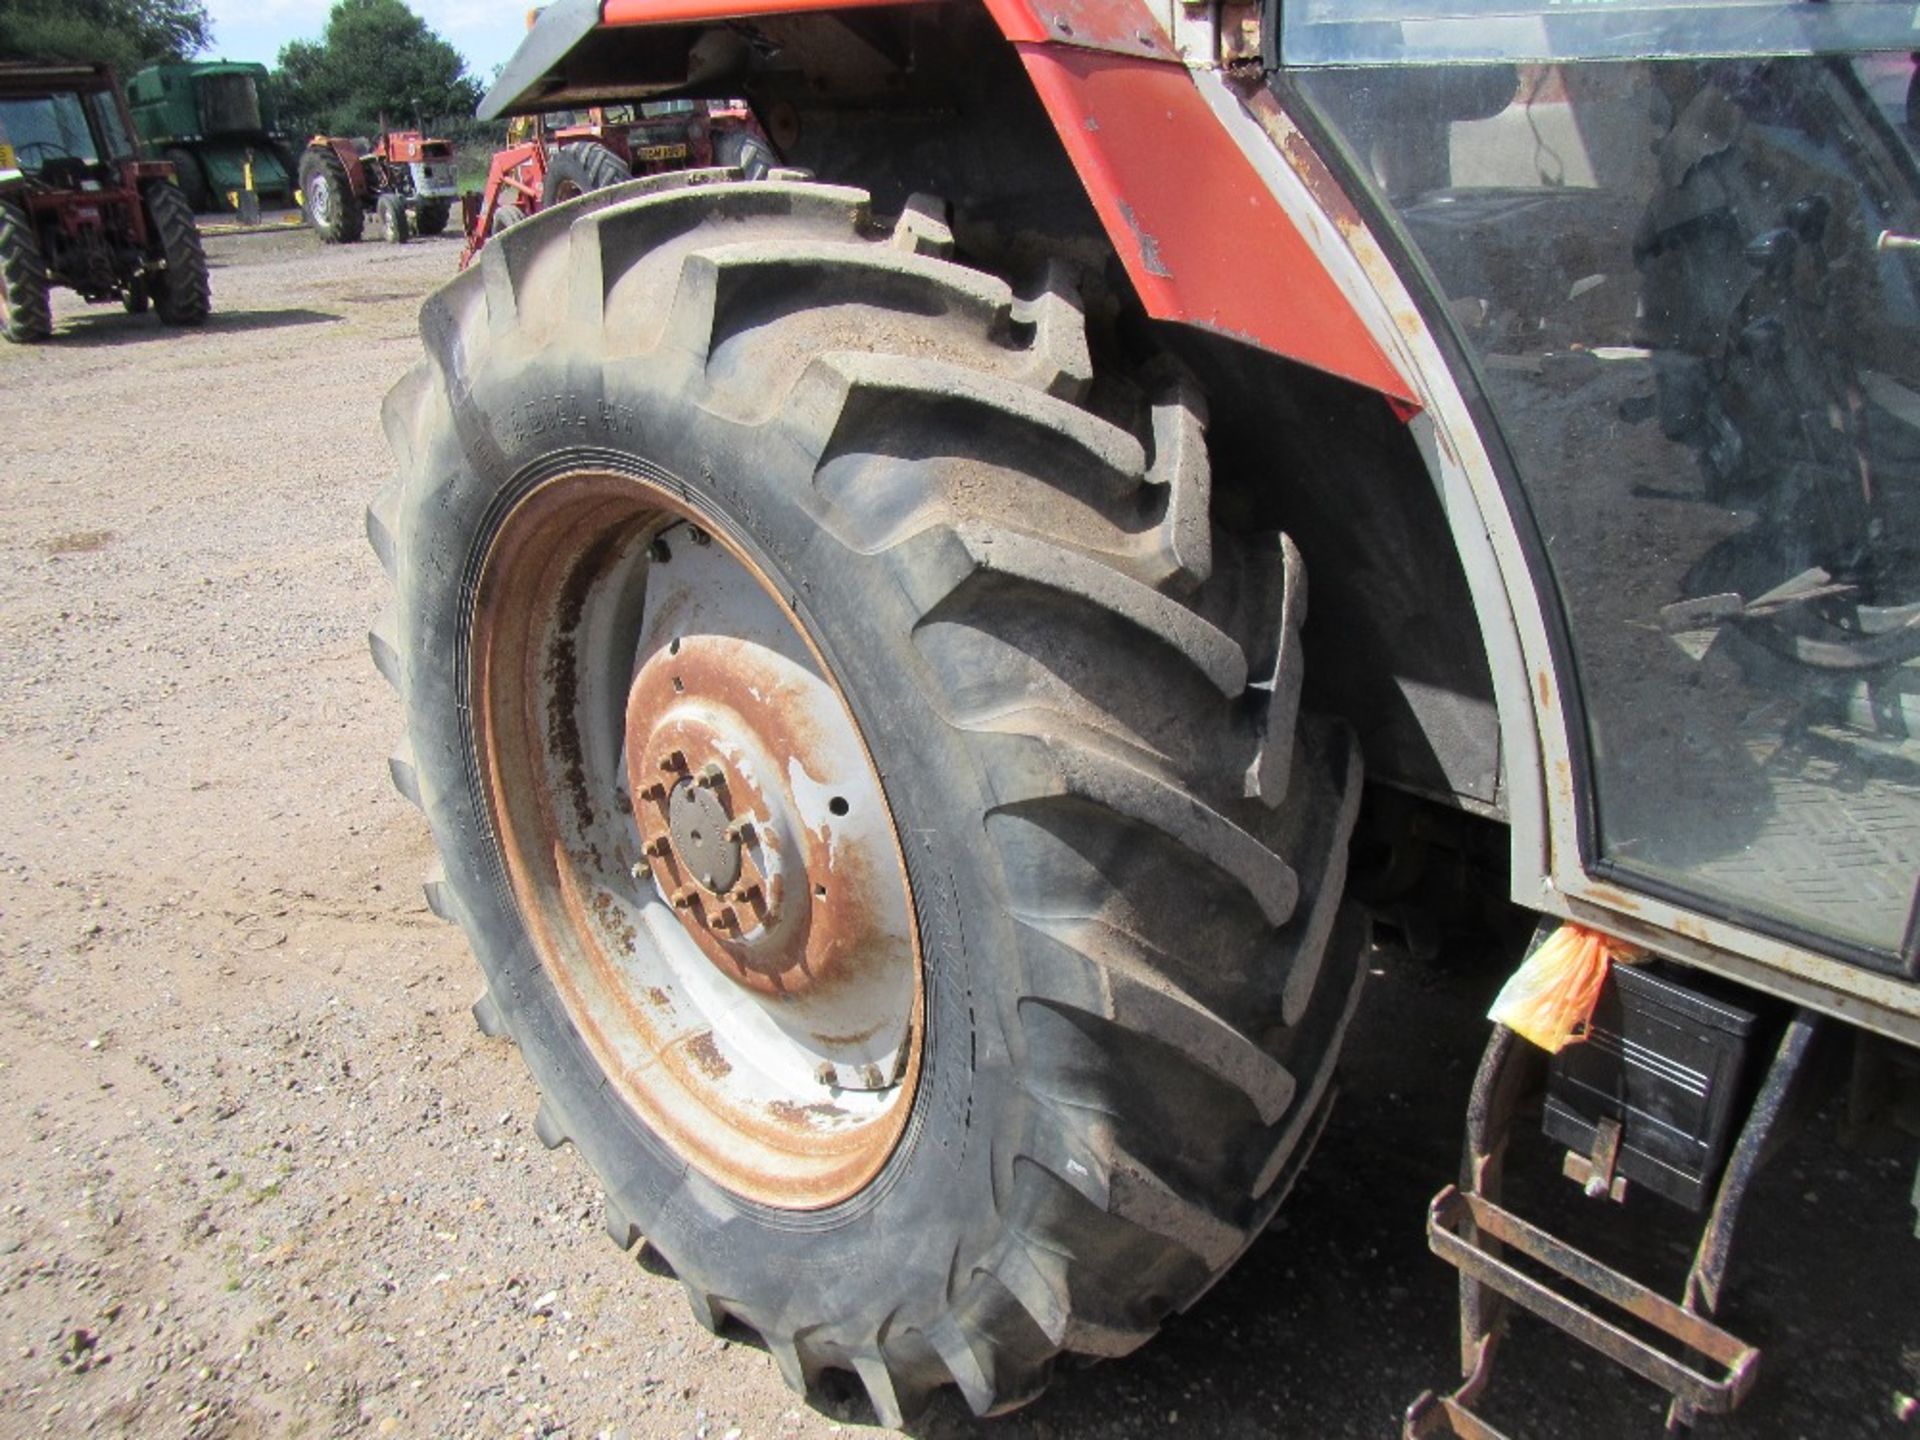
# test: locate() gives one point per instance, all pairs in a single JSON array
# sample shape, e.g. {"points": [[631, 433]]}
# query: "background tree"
{"points": [[375, 57], [127, 33]]}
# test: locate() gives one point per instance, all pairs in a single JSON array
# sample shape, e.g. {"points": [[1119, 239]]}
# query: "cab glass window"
{"points": [[47, 128], [1689, 292]]}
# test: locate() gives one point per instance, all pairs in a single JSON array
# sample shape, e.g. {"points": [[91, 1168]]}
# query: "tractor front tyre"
{"points": [[580, 170], [26, 309], [332, 206], [505, 217], [430, 218], [183, 290], [873, 787], [391, 217]]}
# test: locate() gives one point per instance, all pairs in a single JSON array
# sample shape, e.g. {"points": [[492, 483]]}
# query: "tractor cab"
{"points": [[79, 207], [1670, 258], [62, 126], [1683, 295]]}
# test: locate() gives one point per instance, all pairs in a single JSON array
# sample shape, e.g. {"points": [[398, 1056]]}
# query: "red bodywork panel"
{"points": [[350, 158], [74, 211], [1200, 234], [1204, 241], [403, 147]]}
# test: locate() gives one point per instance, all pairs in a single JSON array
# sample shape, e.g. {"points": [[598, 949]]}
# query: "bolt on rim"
{"points": [[697, 839]]}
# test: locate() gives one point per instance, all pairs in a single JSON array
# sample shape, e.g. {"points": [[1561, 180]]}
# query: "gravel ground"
{"points": [[264, 1178]]}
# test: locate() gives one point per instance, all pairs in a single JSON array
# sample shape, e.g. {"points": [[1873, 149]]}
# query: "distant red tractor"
{"points": [[406, 180], [80, 208], [556, 156]]}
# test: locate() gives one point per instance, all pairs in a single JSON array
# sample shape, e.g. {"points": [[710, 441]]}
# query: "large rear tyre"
{"points": [[183, 290], [873, 789], [579, 170], [191, 178], [26, 306], [332, 206], [745, 152]]}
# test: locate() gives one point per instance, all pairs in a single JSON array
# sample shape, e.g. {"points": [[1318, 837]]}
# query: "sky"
{"points": [[485, 32]]}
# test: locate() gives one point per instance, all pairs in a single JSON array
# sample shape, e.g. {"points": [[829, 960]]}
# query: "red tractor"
{"points": [[79, 207], [853, 636], [555, 156], [407, 181]]}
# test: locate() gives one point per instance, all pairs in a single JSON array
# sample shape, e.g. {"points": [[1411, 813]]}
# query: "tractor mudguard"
{"points": [[1201, 237], [349, 154]]}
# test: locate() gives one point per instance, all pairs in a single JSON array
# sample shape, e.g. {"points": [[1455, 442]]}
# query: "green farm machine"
{"points": [[215, 122]]}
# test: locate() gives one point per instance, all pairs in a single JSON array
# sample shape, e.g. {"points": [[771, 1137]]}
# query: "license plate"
{"points": [[663, 152]]}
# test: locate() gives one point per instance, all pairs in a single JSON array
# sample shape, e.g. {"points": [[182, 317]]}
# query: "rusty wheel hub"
{"points": [[698, 840]]}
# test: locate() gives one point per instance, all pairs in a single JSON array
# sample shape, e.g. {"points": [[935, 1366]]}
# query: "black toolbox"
{"points": [[1664, 1062]]}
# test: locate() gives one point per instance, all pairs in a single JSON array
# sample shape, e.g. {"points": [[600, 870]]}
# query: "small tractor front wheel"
{"points": [[26, 313], [431, 217], [580, 169], [183, 292], [332, 205], [391, 212], [192, 179], [505, 217]]}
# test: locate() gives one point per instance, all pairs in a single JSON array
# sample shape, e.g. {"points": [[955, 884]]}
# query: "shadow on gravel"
{"points": [[119, 328]]}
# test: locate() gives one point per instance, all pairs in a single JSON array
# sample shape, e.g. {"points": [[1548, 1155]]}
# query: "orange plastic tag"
{"points": [[1549, 1000]]}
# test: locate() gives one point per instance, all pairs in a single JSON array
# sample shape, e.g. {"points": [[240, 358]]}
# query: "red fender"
{"points": [[1202, 237]]}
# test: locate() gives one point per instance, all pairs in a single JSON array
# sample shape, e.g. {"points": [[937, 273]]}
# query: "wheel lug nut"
{"points": [[740, 830], [711, 776], [673, 760], [827, 1075], [871, 1077], [683, 898], [724, 920], [659, 845], [656, 791]]}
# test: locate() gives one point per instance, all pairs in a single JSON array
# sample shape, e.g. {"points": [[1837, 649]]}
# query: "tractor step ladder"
{"points": [[1467, 1228]]}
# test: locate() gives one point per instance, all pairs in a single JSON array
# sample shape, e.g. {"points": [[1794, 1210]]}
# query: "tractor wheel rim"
{"points": [[318, 193], [697, 839]]}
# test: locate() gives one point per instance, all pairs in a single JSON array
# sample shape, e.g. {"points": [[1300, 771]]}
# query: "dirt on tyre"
{"points": [[430, 218], [183, 293], [873, 787], [26, 305], [579, 170], [332, 207]]}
